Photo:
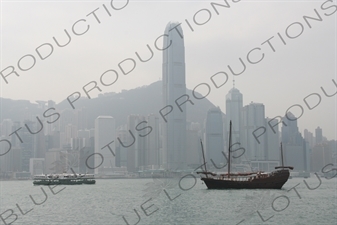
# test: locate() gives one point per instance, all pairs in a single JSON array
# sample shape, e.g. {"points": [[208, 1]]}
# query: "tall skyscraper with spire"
{"points": [[174, 87], [234, 107]]}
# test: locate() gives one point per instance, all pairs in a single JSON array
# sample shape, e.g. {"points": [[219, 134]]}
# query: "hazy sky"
{"points": [[283, 78]]}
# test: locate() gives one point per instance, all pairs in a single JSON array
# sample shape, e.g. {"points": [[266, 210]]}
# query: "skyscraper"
{"points": [[273, 140], [318, 135], [136, 144], [28, 144], [104, 135], [214, 143], [234, 113], [193, 147], [295, 148], [174, 87], [322, 155], [253, 118], [290, 133], [53, 126], [152, 142], [122, 133], [309, 137]]}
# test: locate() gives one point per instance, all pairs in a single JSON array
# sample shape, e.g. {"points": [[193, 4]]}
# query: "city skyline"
{"points": [[275, 80], [136, 147]]}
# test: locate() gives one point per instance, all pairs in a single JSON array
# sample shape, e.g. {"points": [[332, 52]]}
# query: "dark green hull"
{"points": [[63, 182]]}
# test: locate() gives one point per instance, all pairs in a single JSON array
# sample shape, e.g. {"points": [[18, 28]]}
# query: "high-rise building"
{"points": [[152, 142], [104, 144], [333, 146], [67, 117], [253, 116], [193, 146], [234, 107], [132, 148], [225, 134], [78, 143], [53, 161], [40, 145], [141, 142], [122, 134], [81, 118], [6, 127], [50, 128], [296, 151], [214, 143], [28, 144], [36, 166], [16, 162], [13, 138], [86, 162], [4, 159], [290, 133], [322, 155], [273, 140], [174, 89], [309, 137], [41, 105], [318, 135], [70, 133], [85, 134]]}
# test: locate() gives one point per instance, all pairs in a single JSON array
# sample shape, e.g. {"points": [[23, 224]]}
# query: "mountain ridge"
{"points": [[143, 100]]}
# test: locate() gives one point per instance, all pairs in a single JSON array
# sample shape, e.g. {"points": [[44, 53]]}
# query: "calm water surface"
{"points": [[109, 201]]}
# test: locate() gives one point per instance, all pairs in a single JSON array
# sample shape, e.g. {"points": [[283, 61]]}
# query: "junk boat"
{"points": [[250, 180], [64, 179]]}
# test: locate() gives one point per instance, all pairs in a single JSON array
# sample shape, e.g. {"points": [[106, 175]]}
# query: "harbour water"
{"points": [[160, 201]]}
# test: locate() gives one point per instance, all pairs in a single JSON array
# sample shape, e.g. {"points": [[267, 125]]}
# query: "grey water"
{"points": [[159, 201]]}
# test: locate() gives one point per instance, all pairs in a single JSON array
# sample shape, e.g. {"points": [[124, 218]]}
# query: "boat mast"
{"points": [[203, 156], [229, 148], [282, 155]]}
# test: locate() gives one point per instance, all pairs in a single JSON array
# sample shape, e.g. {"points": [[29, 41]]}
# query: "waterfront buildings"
{"points": [[104, 144]]}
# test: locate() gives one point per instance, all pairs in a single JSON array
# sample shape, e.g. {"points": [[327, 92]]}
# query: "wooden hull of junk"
{"points": [[273, 180]]}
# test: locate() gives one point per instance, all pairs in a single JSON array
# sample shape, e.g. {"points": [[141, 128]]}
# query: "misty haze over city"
{"points": [[142, 89]]}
